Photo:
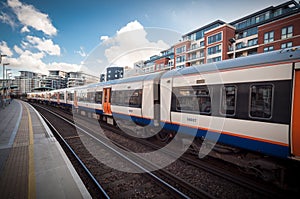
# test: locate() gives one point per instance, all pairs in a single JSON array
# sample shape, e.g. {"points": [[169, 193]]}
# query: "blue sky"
{"points": [[39, 35]]}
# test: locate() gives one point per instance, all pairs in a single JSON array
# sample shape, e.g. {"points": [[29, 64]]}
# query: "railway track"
{"points": [[121, 184], [257, 189], [254, 185]]}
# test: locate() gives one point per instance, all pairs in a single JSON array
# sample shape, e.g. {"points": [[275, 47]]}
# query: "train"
{"points": [[251, 103]]}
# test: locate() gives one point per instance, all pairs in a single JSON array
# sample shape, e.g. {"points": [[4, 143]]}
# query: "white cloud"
{"points": [[30, 16], [29, 61], [33, 62], [4, 49], [64, 66], [25, 29], [131, 45], [44, 45], [5, 18], [103, 38], [81, 52], [18, 50], [131, 26]]}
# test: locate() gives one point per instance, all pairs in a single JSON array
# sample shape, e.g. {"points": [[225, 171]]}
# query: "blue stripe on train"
{"points": [[253, 145], [92, 110], [139, 120]]}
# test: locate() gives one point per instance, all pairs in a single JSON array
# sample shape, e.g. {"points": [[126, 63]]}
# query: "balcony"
{"points": [[195, 48], [195, 58], [242, 48]]}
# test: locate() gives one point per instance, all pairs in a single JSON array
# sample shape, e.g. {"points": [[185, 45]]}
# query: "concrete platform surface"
{"points": [[32, 163]]}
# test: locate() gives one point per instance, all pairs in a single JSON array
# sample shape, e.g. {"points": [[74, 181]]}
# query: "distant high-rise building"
{"points": [[102, 78], [79, 79], [114, 72], [26, 82]]}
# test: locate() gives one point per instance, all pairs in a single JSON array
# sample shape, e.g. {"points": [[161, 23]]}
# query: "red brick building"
{"points": [[217, 42], [272, 28], [279, 34]]}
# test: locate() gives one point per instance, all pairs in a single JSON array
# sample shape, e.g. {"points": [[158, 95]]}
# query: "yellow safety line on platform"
{"points": [[31, 174]]}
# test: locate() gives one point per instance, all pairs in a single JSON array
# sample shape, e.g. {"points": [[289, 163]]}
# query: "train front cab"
{"points": [[295, 135]]}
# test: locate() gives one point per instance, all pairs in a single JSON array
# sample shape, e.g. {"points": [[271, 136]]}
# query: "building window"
{"points": [[228, 101], [269, 37], [180, 49], [247, 33], [269, 48], [194, 46], [180, 59], [214, 38], [252, 52], [261, 101], [252, 42], [214, 50], [215, 59], [193, 56], [201, 43], [193, 36], [239, 45], [201, 54], [286, 32], [286, 45], [277, 12]]}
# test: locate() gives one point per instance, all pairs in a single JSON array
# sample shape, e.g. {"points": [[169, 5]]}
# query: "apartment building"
{"points": [[251, 30], [29, 81], [279, 34], [26, 82], [272, 28]]}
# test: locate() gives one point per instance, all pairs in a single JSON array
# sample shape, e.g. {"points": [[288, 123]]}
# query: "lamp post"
{"points": [[4, 64], [7, 83], [1, 57]]}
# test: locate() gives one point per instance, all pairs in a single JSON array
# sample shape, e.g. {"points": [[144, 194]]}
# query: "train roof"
{"points": [[288, 54], [146, 77]]}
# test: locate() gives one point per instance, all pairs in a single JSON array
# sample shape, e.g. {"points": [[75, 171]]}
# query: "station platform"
{"points": [[32, 163]]}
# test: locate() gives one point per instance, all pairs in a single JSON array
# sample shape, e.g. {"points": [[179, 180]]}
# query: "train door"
{"points": [[296, 114], [106, 100]]}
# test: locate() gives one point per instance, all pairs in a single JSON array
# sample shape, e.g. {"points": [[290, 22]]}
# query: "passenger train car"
{"points": [[251, 102]]}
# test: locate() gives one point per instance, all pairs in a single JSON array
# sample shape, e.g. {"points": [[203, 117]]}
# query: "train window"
{"points": [[61, 96], [135, 99], [195, 100], [228, 101], [53, 96], [117, 97], [131, 98], [82, 96], [98, 97], [261, 101], [71, 96], [90, 97]]}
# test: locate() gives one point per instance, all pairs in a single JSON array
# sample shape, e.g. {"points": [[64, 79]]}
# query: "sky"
{"points": [[89, 35]]}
